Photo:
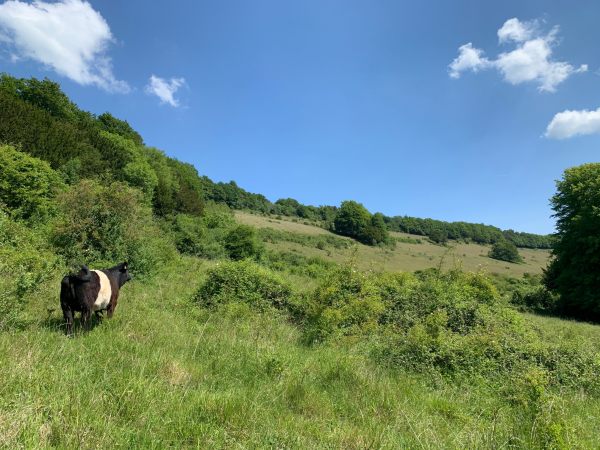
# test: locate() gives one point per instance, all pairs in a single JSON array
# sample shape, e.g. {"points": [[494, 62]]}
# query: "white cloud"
{"points": [[68, 36], [165, 89], [517, 31], [567, 124], [469, 58], [530, 61]]}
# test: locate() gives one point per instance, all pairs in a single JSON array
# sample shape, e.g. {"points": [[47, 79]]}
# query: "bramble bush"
{"points": [[346, 302], [25, 264], [203, 236], [453, 323], [246, 282]]}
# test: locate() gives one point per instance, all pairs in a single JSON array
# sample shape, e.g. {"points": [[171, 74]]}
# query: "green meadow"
{"points": [[168, 373]]}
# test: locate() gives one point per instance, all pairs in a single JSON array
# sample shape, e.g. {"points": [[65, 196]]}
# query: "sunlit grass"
{"points": [[167, 373]]}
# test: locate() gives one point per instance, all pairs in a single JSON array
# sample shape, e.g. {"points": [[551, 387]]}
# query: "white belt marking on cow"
{"points": [[104, 293]]}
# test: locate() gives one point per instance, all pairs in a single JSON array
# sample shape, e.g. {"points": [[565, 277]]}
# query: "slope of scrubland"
{"points": [[411, 252], [166, 372]]}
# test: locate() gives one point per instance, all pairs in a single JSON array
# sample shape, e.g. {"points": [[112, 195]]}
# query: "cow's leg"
{"points": [[68, 315], [99, 314], [111, 308], [85, 319]]}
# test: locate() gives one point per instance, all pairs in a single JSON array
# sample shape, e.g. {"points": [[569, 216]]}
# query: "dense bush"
{"points": [[346, 302], [102, 225], [242, 242], [298, 264], [25, 263], [355, 221], [129, 163], [505, 251], [27, 184], [537, 299], [203, 236], [243, 281]]}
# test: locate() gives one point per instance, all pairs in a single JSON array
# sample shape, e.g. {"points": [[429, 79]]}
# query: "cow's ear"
{"points": [[124, 266]]}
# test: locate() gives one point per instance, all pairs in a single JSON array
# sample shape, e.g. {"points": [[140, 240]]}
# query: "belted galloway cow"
{"points": [[91, 290]]}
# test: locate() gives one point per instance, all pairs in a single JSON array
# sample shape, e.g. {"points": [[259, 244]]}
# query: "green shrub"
{"points": [[241, 242], [203, 236], [453, 322], [243, 281], [27, 184], [101, 225], [346, 302], [504, 250], [25, 264], [409, 298], [294, 263], [537, 299], [190, 234], [129, 162]]}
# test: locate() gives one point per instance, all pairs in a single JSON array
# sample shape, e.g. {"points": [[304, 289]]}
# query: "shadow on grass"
{"points": [[57, 323]]}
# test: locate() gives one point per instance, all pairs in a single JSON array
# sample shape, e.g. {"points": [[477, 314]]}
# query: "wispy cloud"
{"points": [[67, 36], [568, 124], [530, 61], [164, 89]]}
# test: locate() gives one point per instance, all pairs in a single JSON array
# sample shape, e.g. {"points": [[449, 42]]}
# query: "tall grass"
{"points": [[167, 373]]}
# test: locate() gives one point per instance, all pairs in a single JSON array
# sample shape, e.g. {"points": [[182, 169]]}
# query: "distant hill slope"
{"points": [[40, 119], [411, 253]]}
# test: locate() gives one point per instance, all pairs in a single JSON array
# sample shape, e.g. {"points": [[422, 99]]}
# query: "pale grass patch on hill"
{"points": [[407, 256]]}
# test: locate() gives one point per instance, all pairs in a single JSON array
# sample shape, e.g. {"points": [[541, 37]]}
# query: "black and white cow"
{"points": [[91, 290]]}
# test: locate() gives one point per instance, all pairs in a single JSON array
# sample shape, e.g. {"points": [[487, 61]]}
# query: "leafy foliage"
{"points": [[438, 231], [121, 127], [355, 221], [346, 302], [243, 281], [203, 236], [100, 225], [25, 263], [27, 185], [241, 242], [575, 271], [505, 251]]}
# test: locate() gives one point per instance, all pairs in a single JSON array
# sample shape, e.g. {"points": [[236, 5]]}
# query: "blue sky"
{"points": [[325, 101]]}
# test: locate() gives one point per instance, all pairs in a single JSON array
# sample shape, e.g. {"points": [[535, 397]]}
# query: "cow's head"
{"points": [[83, 275], [124, 275]]}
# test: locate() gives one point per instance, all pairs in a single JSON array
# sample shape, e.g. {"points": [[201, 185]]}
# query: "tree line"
{"points": [[37, 117]]}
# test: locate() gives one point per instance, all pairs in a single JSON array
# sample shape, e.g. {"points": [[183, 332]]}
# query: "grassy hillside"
{"points": [[167, 373], [317, 342], [411, 252]]}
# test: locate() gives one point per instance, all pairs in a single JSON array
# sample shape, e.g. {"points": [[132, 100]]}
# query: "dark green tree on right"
{"points": [[574, 273]]}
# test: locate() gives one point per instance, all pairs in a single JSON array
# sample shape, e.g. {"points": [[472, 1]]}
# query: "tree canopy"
{"points": [[574, 272], [505, 251]]}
